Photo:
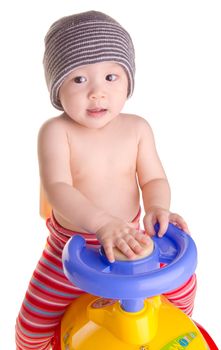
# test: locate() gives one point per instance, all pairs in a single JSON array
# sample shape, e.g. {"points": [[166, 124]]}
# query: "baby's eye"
{"points": [[111, 77], [80, 79]]}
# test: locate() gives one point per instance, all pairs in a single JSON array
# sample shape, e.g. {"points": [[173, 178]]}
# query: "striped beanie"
{"points": [[82, 39]]}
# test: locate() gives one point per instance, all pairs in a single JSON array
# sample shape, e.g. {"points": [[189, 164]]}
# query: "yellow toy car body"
{"points": [[93, 323]]}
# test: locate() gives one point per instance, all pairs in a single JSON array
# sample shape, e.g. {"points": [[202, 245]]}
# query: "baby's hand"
{"points": [[163, 217], [122, 235]]}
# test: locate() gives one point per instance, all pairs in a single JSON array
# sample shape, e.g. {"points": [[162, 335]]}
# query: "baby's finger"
{"points": [[122, 245], [109, 251], [149, 222], [163, 223], [133, 244], [143, 237], [180, 222]]}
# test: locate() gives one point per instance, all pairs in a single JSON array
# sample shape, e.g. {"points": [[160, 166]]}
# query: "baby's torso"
{"points": [[103, 167]]}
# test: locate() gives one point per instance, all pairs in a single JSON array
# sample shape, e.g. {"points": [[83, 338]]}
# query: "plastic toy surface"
{"points": [[125, 309]]}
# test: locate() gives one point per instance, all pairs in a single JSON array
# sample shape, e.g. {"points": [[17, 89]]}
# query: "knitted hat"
{"points": [[82, 39]]}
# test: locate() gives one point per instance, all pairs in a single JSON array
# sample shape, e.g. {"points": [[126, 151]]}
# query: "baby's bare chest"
{"points": [[103, 157]]}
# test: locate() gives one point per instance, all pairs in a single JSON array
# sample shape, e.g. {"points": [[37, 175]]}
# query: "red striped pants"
{"points": [[49, 293]]}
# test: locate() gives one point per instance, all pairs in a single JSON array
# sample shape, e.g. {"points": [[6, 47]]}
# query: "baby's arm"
{"points": [[55, 173], [154, 185], [71, 204]]}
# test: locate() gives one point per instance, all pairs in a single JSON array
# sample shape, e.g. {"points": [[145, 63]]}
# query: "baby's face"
{"points": [[94, 94]]}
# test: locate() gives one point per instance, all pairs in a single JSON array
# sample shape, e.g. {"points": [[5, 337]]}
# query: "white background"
{"points": [[178, 90]]}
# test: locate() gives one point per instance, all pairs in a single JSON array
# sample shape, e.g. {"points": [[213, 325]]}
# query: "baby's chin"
{"points": [[147, 250]]}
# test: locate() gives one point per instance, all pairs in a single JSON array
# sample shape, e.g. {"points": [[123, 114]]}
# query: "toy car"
{"points": [[125, 308]]}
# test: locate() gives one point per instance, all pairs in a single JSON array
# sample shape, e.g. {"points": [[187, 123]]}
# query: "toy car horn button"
{"points": [[147, 261]]}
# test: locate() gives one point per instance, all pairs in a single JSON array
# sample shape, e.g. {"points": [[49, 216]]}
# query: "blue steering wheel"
{"points": [[89, 269]]}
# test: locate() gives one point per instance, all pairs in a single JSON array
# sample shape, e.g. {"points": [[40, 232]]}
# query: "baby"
{"points": [[93, 160]]}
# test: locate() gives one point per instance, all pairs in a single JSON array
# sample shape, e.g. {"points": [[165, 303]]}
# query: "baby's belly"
{"points": [[121, 201]]}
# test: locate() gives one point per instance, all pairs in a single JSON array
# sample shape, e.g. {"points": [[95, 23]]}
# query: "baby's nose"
{"points": [[96, 94]]}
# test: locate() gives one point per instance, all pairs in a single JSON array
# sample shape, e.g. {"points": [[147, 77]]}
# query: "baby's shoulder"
{"points": [[56, 125], [54, 122], [53, 131], [135, 121]]}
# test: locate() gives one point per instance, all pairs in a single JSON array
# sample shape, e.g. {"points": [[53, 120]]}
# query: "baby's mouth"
{"points": [[96, 112]]}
